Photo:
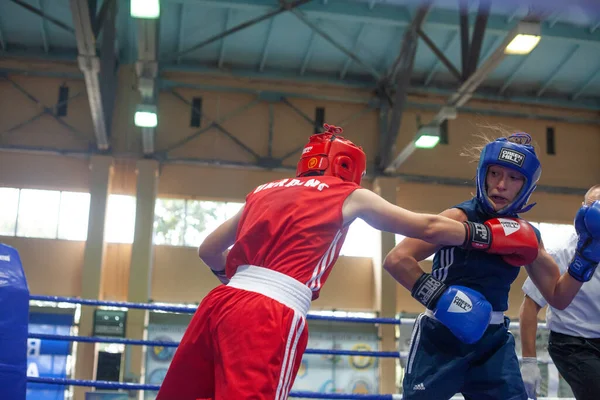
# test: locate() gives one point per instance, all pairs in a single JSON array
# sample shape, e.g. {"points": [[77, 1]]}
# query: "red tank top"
{"points": [[293, 226]]}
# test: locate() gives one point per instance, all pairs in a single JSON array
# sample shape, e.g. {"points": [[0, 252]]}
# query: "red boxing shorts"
{"points": [[246, 340]]}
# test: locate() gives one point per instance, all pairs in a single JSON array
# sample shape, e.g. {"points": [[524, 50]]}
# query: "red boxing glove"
{"points": [[512, 238]]}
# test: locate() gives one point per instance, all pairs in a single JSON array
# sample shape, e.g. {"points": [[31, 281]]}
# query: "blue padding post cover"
{"points": [[14, 317]]}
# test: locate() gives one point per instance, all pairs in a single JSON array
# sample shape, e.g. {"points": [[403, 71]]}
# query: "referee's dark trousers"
{"points": [[578, 361]]}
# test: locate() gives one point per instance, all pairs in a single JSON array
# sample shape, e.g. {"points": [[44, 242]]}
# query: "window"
{"points": [[169, 222], [73, 216], [196, 118], [180, 222], [319, 119], [550, 143], [9, 207], [38, 213], [400, 238], [362, 240], [120, 219], [47, 214]]}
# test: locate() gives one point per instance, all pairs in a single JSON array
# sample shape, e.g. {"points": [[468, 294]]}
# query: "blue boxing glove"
{"points": [[462, 310], [587, 254]]}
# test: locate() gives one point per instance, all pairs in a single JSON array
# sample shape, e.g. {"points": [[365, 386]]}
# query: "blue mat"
{"points": [[14, 318]]}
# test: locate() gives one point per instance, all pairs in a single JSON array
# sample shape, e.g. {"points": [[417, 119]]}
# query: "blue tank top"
{"points": [[478, 270]]}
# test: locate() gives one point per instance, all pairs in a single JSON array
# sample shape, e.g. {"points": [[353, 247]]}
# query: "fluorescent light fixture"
{"points": [[146, 116], [147, 9], [427, 137], [522, 44], [528, 36]]}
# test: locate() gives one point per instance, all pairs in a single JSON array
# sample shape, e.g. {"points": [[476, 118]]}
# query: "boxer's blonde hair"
{"points": [[487, 133], [593, 190]]}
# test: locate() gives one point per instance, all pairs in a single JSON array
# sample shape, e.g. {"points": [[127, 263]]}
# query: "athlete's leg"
{"points": [[191, 372], [437, 362], [495, 373], [258, 347]]}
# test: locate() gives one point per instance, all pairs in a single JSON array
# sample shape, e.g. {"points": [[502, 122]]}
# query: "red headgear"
{"points": [[329, 154]]}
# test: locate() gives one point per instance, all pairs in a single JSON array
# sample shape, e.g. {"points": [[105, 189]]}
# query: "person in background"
{"points": [[574, 342]]}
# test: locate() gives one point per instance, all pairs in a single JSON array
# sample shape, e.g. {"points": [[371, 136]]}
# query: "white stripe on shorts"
{"points": [[296, 329]]}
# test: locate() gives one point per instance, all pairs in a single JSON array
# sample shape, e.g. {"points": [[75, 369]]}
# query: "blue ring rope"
{"points": [[139, 386], [95, 339], [191, 310]]}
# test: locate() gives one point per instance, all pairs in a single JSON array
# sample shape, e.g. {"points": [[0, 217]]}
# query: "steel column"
{"points": [[147, 74], [401, 80], [90, 65], [464, 35], [478, 35]]}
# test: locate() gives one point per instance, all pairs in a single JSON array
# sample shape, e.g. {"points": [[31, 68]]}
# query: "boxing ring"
{"points": [[128, 386]]}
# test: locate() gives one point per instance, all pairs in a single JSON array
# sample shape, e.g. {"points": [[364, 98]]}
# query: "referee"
{"points": [[574, 342]]}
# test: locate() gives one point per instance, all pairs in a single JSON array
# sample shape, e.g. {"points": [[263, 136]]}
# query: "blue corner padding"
{"points": [[14, 318]]}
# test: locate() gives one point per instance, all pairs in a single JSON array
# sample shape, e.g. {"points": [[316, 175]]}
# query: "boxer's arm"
{"points": [[402, 262], [385, 216], [528, 326], [558, 290], [213, 250]]}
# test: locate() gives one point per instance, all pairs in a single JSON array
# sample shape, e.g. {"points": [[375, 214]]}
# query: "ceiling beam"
{"points": [[147, 74], [461, 96], [400, 78], [395, 15], [284, 7], [96, 71], [42, 14]]}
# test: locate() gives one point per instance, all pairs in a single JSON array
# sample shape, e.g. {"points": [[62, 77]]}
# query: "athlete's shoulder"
{"points": [[468, 206]]}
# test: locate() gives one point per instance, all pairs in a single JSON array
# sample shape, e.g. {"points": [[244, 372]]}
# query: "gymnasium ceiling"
{"points": [[349, 43]]}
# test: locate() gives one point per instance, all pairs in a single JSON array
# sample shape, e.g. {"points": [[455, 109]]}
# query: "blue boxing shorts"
{"points": [[439, 365]]}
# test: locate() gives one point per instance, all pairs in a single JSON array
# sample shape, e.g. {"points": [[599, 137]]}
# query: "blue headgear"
{"points": [[515, 152]]}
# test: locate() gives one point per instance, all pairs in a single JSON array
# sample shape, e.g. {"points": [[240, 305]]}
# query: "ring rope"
{"points": [[96, 339], [307, 395], [139, 386], [192, 309]]}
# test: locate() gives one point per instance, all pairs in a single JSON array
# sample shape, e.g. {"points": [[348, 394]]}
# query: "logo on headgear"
{"points": [[512, 156], [313, 162]]}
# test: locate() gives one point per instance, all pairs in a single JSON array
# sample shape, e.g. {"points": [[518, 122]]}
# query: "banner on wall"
{"points": [[158, 358], [319, 373], [339, 374], [48, 358]]}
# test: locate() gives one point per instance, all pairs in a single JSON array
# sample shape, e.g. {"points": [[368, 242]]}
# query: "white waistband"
{"points": [[279, 287], [497, 317]]}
